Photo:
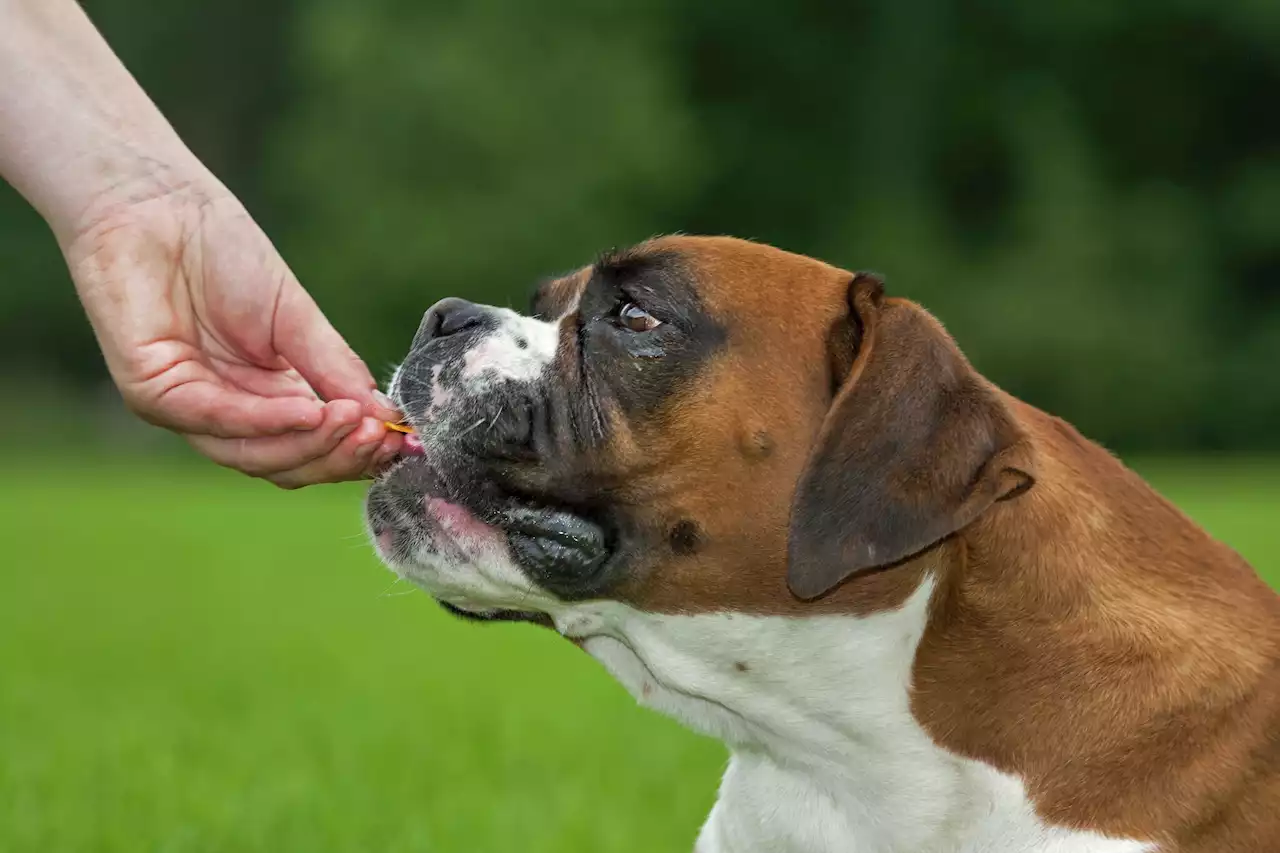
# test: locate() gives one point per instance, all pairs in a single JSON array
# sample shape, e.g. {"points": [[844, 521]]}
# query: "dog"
{"points": [[784, 509]]}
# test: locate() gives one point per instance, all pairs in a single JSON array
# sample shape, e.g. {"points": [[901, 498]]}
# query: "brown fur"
{"points": [[1094, 640], [1084, 634]]}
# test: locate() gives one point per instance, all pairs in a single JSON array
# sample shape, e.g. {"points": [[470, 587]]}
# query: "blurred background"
{"points": [[1087, 194]]}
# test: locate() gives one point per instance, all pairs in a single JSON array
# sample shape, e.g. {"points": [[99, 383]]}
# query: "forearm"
{"points": [[76, 130]]}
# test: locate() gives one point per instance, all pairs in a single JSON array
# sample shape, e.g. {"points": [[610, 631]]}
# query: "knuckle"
{"points": [[285, 482], [255, 466], [256, 469]]}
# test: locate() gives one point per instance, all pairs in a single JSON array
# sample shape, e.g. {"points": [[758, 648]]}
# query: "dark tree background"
{"points": [[1088, 194]]}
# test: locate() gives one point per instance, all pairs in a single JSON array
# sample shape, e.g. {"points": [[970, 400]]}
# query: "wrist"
{"points": [[110, 184]]}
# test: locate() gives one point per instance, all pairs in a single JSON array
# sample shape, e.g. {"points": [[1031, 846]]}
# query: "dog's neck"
{"points": [[814, 705], [817, 713], [814, 690]]}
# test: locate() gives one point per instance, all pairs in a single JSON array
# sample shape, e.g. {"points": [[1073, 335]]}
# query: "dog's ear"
{"points": [[916, 446]]}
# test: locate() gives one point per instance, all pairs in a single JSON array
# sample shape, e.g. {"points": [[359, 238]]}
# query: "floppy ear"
{"points": [[916, 446]]}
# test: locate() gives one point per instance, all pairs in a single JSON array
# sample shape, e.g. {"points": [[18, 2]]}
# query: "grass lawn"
{"points": [[191, 661]]}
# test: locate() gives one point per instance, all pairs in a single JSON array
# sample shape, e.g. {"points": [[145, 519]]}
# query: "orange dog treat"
{"points": [[404, 428]]}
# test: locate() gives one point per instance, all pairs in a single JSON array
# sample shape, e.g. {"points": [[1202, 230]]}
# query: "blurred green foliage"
{"points": [[1088, 194]]}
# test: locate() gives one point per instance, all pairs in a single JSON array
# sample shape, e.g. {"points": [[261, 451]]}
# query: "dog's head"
{"points": [[695, 424]]}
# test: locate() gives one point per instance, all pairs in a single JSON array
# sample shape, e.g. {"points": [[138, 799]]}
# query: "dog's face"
{"points": [[675, 427], [637, 438]]}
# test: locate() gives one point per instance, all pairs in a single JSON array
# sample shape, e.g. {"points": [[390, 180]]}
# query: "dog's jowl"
{"points": [[783, 508]]}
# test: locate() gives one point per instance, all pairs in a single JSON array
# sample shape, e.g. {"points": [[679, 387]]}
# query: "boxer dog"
{"points": [[785, 510]]}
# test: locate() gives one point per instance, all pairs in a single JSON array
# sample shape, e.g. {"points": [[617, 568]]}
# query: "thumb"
{"points": [[315, 349]]}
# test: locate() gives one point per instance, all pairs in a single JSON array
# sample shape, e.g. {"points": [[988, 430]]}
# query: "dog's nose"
{"points": [[448, 317]]}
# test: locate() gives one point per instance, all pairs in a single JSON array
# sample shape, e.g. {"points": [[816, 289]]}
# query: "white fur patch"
{"points": [[500, 354], [826, 753]]}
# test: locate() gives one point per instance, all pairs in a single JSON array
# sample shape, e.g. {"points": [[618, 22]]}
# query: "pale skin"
{"points": [[202, 325]]}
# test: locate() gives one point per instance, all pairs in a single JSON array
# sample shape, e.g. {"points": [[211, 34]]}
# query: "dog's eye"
{"points": [[631, 316]]}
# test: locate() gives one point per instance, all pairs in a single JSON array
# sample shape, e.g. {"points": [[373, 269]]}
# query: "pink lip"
{"points": [[460, 523], [412, 446]]}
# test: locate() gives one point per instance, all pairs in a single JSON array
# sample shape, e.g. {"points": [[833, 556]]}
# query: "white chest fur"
{"points": [[826, 754]]}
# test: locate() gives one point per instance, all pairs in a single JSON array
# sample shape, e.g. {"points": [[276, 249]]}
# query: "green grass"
{"points": [[191, 661]]}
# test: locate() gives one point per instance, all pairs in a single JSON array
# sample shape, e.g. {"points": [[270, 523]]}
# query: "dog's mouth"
{"points": [[424, 514], [411, 446]]}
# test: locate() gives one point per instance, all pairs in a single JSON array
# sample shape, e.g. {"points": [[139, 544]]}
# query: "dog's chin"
{"points": [[424, 515]]}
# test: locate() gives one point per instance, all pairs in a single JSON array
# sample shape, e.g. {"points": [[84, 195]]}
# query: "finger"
{"points": [[350, 460], [385, 454], [314, 347], [205, 407], [267, 456]]}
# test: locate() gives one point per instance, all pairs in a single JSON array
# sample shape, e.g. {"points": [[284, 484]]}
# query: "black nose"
{"points": [[448, 317]]}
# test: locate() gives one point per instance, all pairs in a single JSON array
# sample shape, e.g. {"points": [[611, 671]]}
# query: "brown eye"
{"points": [[636, 319]]}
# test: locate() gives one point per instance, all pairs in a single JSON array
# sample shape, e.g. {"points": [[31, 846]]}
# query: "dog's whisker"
{"points": [[391, 586], [489, 428], [470, 428]]}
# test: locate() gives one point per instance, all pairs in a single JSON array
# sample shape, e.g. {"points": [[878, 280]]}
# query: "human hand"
{"points": [[204, 328], [207, 332]]}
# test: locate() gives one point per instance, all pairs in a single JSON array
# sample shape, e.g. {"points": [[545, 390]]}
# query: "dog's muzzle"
{"points": [[447, 518]]}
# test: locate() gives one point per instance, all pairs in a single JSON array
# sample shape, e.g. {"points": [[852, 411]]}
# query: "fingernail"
{"points": [[385, 402]]}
